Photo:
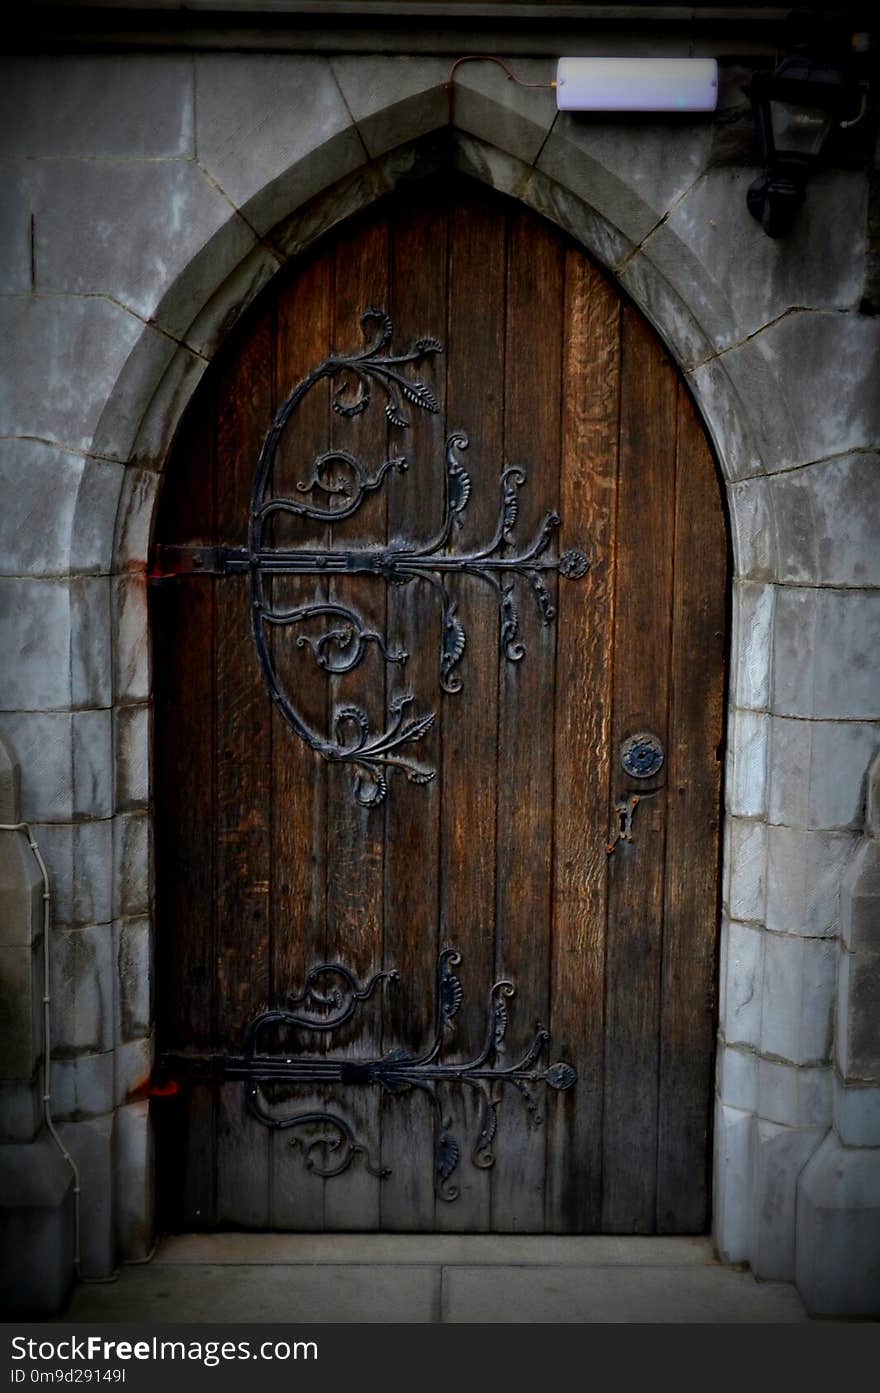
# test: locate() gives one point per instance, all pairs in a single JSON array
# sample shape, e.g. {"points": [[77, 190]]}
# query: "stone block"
{"points": [[709, 236], [747, 869], [857, 1033], [856, 1113], [817, 771], [824, 654], [663, 304], [65, 762], [10, 784], [159, 422], [114, 104], [20, 1012], [731, 1207], [838, 1231], [82, 1087], [90, 637], [495, 168], [781, 377], [746, 783], [15, 228], [90, 214], [780, 1154], [40, 485], [131, 865], [800, 975], [94, 521], [92, 764], [133, 1066], [43, 747], [221, 310], [36, 1229], [593, 157], [738, 1078], [21, 1112], [77, 856], [741, 995], [132, 651], [753, 530], [726, 402], [803, 881], [517, 120], [872, 801], [60, 356], [82, 977], [751, 645], [35, 642], [134, 959], [272, 130], [860, 900], [90, 1143], [134, 1181], [59, 510], [794, 1096], [156, 377], [134, 518], [132, 748], [21, 889], [827, 519], [394, 99]]}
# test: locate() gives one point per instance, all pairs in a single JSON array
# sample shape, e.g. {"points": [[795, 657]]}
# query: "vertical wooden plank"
{"points": [[699, 638], [641, 692], [533, 365], [299, 776], [419, 245], [474, 404], [588, 495], [243, 761], [355, 834], [182, 621]]}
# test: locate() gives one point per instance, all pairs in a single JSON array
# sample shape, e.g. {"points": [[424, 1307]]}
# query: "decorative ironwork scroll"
{"points": [[330, 998], [333, 492]]}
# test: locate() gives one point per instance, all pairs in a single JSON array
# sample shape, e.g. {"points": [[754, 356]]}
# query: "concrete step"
{"points": [[435, 1278]]}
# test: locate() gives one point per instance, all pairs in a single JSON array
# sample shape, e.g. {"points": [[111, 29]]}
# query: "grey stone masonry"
{"points": [[148, 198], [21, 942], [838, 1228], [36, 1184]]}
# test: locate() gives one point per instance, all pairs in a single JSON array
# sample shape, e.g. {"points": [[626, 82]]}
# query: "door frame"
{"points": [[166, 391]]}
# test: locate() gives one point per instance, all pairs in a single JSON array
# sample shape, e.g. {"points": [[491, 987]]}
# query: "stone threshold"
{"points": [[471, 1250]]}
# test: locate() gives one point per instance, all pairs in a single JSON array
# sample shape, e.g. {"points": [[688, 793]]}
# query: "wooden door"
{"points": [[485, 831]]}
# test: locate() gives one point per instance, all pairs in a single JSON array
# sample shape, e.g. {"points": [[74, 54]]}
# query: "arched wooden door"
{"points": [[546, 804]]}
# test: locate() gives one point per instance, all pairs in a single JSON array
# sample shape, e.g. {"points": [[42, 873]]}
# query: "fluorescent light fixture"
{"points": [[637, 84]]}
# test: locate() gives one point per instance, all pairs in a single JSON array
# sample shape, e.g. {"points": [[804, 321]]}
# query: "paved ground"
{"points": [[375, 1277]]}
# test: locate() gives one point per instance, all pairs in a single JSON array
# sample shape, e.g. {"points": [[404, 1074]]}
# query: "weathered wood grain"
{"points": [[643, 590], [412, 830], [356, 835], [243, 762], [526, 712], [699, 640], [591, 405]]}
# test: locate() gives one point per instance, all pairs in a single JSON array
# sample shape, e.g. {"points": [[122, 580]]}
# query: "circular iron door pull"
{"points": [[642, 755]]}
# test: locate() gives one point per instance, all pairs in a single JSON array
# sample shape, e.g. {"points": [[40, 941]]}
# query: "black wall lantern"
{"points": [[798, 109]]}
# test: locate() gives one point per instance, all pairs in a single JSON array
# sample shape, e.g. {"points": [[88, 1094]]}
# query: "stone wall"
{"points": [[147, 199]]}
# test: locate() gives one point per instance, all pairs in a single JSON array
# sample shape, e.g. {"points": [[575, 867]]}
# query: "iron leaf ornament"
{"points": [[334, 632]]}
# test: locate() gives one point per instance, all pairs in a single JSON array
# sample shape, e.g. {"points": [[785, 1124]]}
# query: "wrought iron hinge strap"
{"points": [[396, 1073], [345, 483]]}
